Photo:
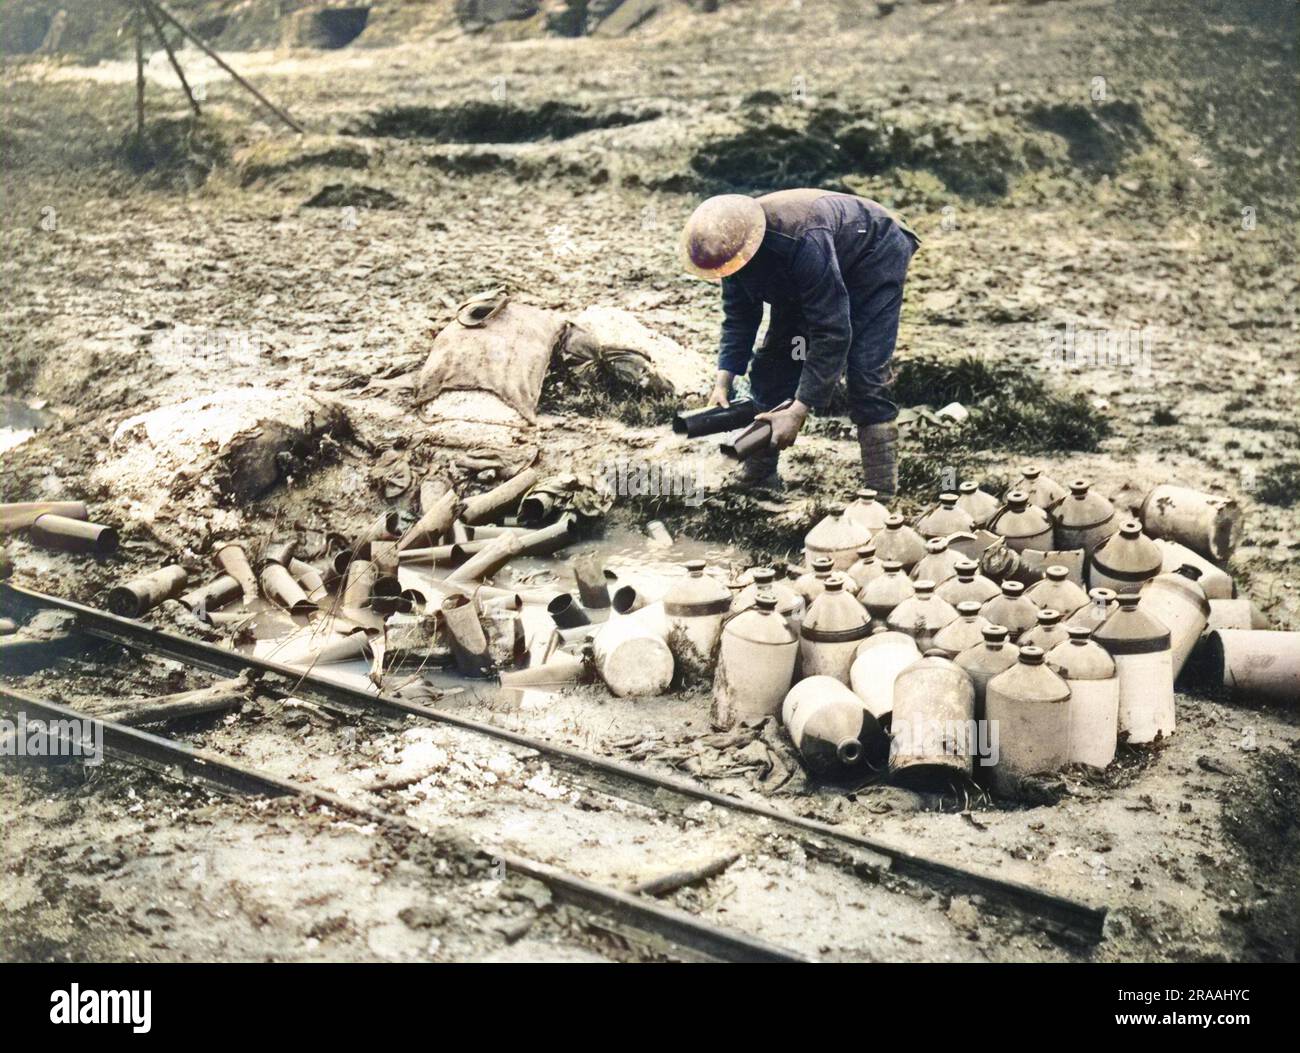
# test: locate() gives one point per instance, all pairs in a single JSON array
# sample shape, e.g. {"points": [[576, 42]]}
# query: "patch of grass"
{"points": [[604, 394], [769, 539], [1279, 485], [176, 151], [1010, 408]]}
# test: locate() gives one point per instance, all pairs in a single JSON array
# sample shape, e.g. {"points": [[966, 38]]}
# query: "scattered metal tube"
{"points": [[141, 595], [73, 535], [19, 515], [358, 583], [758, 436], [436, 554], [695, 424], [489, 530], [566, 612], [278, 585], [462, 550], [344, 559], [497, 552], [277, 551], [485, 594], [213, 596], [459, 532], [1256, 664], [383, 528], [280, 552], [386, 594], [469, 646], [433, 524], [560, 668], [483, 507], [593, 589], [627, 599], [549, 539], [536, 508], [313, 584], [658, 533], [234, 561]]}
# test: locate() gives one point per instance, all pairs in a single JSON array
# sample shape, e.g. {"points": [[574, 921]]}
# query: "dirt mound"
{"points": [[353, 195], [325, 27], [1098, 137], [969, 155], [271, 158], [178, 464], [176, 151], [493, 122]]}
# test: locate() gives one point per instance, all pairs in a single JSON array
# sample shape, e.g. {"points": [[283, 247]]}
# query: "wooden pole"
{"points": [[171, 55], [202, 46], [139, 82]]}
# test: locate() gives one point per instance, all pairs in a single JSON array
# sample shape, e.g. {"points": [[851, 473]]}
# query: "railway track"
{"points": [[639, 817]]}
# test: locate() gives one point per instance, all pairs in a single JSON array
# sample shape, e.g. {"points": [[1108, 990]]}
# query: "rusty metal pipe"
{"points": [[593, 588], [212, 596], [560, 668], [566, 612], [549, 539], [234, 561], [469, 645], [433, 524], [435, 555], [486, 531], [280, 552], [484, 507], [19, 515], [141, 595], [278, 585], [535, 508], [73, 535], [495, 554], [311, 580], [359, 583]]}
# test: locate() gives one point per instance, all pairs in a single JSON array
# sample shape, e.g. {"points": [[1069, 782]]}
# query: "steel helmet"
{"points": [[722, 235]]}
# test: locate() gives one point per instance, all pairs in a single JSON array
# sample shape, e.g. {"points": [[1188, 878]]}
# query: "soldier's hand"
{"points": [[721, 394], [786, 423]]}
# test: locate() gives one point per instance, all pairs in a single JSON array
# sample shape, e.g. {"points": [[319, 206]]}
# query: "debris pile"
{"points": [[1019, 634]]}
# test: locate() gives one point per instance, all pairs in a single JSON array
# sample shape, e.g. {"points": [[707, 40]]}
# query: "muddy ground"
{"points": [[1158, 200]]}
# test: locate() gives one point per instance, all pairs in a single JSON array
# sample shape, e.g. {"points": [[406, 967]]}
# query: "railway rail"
{"points": [[1078, 921]]}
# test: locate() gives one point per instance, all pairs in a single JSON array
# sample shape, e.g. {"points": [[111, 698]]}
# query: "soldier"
{"points": [[832, 267]]}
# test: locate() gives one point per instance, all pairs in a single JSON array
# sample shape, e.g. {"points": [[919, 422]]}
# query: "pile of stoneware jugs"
{"points": [[990, 638]]}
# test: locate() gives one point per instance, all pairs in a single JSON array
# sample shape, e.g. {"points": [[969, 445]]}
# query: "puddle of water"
{"points": [[19, 421]]}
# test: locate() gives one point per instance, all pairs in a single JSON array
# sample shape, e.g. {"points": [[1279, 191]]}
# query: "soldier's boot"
{"points": [[879, 446], [759, 471]]}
